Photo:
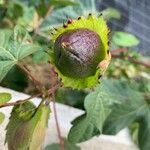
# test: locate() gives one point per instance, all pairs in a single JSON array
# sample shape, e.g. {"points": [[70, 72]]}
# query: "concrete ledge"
{"points": [[66, 114]]}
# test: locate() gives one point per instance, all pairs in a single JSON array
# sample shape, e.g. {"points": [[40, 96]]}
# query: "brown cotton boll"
{"points": [[77, 52]]}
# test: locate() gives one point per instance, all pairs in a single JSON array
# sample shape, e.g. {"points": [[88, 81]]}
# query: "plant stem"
{"points": [[37, 84], [49, 91], [61, 141], [53, 91], [20, 101], [143, 63], [116, 54]]}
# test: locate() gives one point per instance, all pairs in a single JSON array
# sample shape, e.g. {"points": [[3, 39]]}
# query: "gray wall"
{"points": [[135, 19]]}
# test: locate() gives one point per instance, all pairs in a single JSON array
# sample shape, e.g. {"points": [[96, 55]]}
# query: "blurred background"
{"points": [[134, 19]]}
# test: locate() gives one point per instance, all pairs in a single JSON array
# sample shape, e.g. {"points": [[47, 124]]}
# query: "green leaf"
{"points": [[97, 108], [112, 107], [40, 57], [16, 48], [5, 36], [14, 9], [132, 107], [2, 11], [71, 97], [124, 39], [62, 3], [27, 17], [68, 146], [57, 17], [144, 132], [15, 121], [27, 126], [4, 98], [111, 13], [2, 117], [5, 68], [15, 79], [22, 14]]}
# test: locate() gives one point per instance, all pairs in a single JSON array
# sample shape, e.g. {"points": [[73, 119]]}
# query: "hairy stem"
{"points": [[49, 91], [61, 141], [20, 101], [37, 84], [116, 54]]}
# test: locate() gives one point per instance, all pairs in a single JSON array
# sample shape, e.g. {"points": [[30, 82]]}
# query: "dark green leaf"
{"points": [[21, 14], [14, 10], [144, 132], [123, 114], [68, 146], [15, 79], [71, 97], [58, 16], [97, 109], [19, 46], [4, 98], [5, 68], [124, 39], [27, 18], [115, 103], [2, 117], [3, 11]]}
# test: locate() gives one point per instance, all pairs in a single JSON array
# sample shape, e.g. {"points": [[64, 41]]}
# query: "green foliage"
{"points": [[58, 16], [40, 57], [125, 113], [15, 79], [4, 98], [114, 105], [121, 67], [2, 117], [21, 14], [5, 36], [27, 125], [134, 108], [82, 8], [97, 105], [68, 146], [20, 46], [15, 121], [141, 132], [124, 39], [71, 97], [43, 6], [111, 13], [2, 12], [144, 132], [62, 3]]}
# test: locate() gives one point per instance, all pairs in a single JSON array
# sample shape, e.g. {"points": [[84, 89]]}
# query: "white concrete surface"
{"points": [[66, 114]]}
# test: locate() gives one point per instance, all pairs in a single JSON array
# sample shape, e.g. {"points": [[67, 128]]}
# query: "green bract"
{"points": [[81, 52], [27, 127]]}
